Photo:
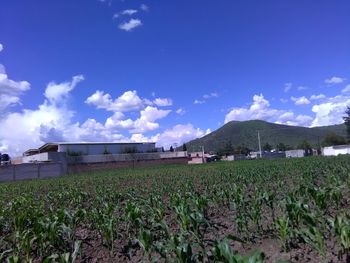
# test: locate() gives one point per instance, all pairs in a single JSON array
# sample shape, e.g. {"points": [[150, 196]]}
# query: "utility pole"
{"points": [[202, 153], [259, 144]]}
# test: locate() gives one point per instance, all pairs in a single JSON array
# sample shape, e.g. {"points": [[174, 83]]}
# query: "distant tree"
{"points": [[227, 149], [267, 147], [184, 147], [241, 150], [281, 147], [333, 139], [171, 149], [346, 119], [305, 145]]}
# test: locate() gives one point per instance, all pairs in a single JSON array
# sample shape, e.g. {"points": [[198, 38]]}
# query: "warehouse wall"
{"points": [[98, 149]]}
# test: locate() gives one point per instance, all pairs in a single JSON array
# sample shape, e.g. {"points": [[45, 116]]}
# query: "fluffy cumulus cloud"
{"points": [[10, 90], [178, 135], [146, 122], [128, 101], [300, 101], [163, 102], [49, 121], [260, 109], [334, 80], [57, 93], [130, 25], [330, 110], [1, 47]]}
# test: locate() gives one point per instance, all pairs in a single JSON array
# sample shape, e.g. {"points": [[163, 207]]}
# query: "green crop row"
{"points": [[209, 213]]}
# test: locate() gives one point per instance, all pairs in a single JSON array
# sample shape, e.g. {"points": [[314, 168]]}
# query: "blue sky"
{"points": [[167, 71]]}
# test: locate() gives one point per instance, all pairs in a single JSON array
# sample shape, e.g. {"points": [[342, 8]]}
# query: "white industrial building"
{"points": [[336, 150], [58, 150], [97, 148]]}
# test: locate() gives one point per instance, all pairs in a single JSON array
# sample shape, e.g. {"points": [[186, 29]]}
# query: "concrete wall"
{"points": [[31, 171], [335, 150], [92, 167], [105, 158], [100, 149], [165, 155], [45, 157], [295, 153]]}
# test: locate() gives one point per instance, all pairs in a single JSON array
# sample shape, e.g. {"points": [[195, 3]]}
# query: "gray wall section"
{"points": [[31, 171]]}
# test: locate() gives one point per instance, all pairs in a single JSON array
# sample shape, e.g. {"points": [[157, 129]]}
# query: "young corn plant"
{"points": [[341, 228], [223, 253], [315, 239], [282, 226]]}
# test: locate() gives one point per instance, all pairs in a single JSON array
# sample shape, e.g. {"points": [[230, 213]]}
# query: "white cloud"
{"points": [[128, 101], [330, 111], [178, 134], [334, 80], [56, 93], [128, 12], [346, 89], [49, 120], [162, 102], [289, 118], [144, 7], [317, 97], [287, 87], [1, 47], [146, 121], [300, 88], [130, 25], [10, 90], [300, 101], [199, 102], [181, 111], [260, 110], [211, 95]]}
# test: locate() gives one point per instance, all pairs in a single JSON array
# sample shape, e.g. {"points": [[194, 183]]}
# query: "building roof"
{"points": [[30, 152]]}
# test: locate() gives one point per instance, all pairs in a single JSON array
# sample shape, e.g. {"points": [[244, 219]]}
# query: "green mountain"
{"points": [[245, 134]]}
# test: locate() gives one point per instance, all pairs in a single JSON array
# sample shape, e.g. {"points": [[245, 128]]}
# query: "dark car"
{"points": [[5, 159]]}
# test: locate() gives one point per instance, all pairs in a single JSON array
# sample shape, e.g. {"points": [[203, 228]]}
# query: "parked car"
{"points": [[5, 159]]}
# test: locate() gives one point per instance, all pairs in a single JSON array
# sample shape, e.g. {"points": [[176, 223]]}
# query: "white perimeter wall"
{"points": [[330, 151]]}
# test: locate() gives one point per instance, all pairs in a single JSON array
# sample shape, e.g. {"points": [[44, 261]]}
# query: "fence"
{"points": [[31, 171]]}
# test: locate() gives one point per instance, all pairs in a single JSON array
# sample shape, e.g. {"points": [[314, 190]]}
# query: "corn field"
{"points": [[290, 210]]}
